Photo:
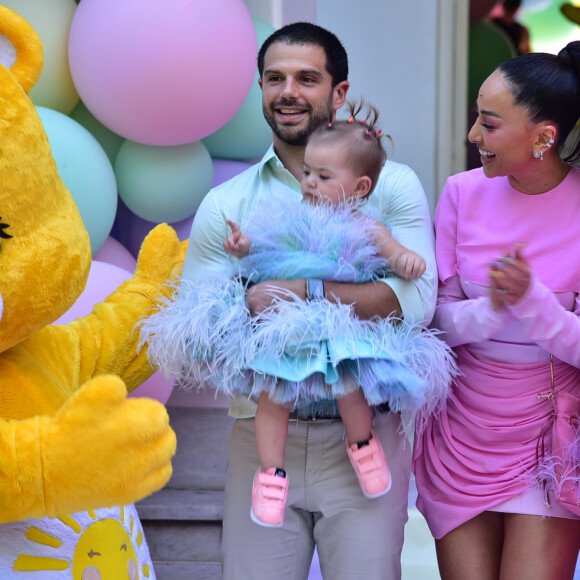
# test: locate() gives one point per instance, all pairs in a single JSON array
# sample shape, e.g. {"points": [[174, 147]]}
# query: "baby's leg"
{"points": [[271, 428], [270, 486], [356, 415], [362, 445]]}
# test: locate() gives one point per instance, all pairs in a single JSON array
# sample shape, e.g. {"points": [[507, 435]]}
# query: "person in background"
{"points": [[517, 32], [507, 244]]}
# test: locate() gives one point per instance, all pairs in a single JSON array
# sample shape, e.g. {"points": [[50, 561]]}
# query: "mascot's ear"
{"points": [[24, 56]]}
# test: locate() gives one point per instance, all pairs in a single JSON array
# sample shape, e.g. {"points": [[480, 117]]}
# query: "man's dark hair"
{"points": [[307, 33]]}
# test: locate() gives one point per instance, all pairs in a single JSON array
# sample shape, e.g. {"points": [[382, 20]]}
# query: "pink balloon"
{"points": [[115, 253], [103, 279], [156, 387], [163, 72]]}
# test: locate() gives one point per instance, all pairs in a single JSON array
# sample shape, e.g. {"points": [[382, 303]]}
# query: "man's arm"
{"points": [[370, 299], [205, 252]]}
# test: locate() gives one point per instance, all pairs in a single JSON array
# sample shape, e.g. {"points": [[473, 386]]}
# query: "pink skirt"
{"points": [[481, 450]]}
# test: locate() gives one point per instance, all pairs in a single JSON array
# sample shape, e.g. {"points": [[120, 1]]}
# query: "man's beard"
{"points": [[297, 136]]}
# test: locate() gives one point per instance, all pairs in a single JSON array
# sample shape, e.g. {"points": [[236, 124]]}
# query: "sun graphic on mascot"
{"points": [[92, 545]]}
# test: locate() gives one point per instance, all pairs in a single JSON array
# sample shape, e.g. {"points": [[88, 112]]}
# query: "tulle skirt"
{"points": [[299, 352]]}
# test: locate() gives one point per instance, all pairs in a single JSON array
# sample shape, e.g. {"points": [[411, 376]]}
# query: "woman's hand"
{"points": [[509, 278]]}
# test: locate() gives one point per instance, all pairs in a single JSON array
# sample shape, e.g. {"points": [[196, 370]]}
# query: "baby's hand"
{"points": [[237, 243], [409, 265]]}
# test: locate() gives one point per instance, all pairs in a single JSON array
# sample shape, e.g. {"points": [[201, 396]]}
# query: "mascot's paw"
{"points": [[161, 255], [104, 449]]}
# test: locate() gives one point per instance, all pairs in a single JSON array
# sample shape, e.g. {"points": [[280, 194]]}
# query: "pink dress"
{"points": [[480, 453]]}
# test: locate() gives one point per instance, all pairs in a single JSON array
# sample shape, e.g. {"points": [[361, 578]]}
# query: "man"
{"points": [[303, 76]]}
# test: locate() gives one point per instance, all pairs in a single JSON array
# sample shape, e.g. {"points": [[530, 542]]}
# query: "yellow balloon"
{"points": [[51, 19]]}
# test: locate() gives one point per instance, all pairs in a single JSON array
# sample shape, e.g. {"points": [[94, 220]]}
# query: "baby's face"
{"points": [[327, 178]]}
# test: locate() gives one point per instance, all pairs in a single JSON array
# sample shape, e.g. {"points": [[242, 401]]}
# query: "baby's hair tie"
{"points": [[364, 122], [378, 133], [330, 124], [367, 132], [351, 119]]}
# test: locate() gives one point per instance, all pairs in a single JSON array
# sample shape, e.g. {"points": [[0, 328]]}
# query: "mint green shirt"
{"points": [[398, 194]]}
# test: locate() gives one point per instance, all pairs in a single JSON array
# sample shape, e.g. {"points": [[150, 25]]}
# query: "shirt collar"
{"points": [[276, 167]]}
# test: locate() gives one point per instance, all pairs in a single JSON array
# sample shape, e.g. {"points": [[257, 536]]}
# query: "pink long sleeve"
{"points": [[464, 320], [548, 324]]}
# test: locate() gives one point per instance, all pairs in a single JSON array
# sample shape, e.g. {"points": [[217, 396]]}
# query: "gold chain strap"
{"points": [[551, 394]]}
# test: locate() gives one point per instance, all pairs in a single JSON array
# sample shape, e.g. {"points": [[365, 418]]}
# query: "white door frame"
{"points": [[451, 130]]}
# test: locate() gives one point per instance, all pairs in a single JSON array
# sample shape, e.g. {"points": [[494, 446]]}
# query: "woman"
{"points": [[508, 253]]}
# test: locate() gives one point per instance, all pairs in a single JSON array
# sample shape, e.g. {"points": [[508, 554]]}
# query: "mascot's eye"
{"points": [[3, 234]]}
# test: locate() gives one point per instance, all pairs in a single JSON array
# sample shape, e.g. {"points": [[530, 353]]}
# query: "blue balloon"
{"points": [[86, 171]]}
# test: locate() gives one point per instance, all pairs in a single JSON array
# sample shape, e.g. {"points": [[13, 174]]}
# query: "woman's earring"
{"points": [[550, 143], [538, 154]]}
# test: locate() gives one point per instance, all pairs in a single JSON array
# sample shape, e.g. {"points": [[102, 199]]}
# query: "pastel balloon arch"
{"points": [[147, 104]]}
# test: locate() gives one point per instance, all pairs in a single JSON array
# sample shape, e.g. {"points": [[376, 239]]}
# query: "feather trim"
{"points": [[559, 474], [303, 353], [322, 241], [200, 327]]}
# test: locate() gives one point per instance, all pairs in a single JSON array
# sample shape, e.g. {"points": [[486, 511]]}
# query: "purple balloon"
{"points": [[224, 169]]}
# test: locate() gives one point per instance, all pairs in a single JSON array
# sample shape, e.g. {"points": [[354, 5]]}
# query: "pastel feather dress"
{"points": [[303, 353]]}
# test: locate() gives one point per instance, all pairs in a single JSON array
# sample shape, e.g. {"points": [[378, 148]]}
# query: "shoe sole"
{"points": [[263, 524], [382, 492]]}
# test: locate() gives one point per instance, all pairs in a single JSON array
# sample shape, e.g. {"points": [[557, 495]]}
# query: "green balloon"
{"points": [[246, 135], [163, 184], [489, 46], [110, 142]]}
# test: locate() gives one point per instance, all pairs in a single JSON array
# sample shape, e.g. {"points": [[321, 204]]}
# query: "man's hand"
{"points": [[265, 294]]}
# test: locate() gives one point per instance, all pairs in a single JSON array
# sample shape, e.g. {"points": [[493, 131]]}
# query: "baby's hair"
{"points": [[362, 138]]}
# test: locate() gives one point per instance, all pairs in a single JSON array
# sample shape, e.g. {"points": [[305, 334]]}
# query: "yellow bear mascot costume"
{"points": [[70, 440]]}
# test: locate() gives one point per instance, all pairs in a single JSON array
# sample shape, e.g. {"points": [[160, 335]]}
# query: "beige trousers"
{"points": [[356, 537]]}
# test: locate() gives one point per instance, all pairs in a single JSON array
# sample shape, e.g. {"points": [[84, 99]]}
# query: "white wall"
{"points": [[392, 56]]}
